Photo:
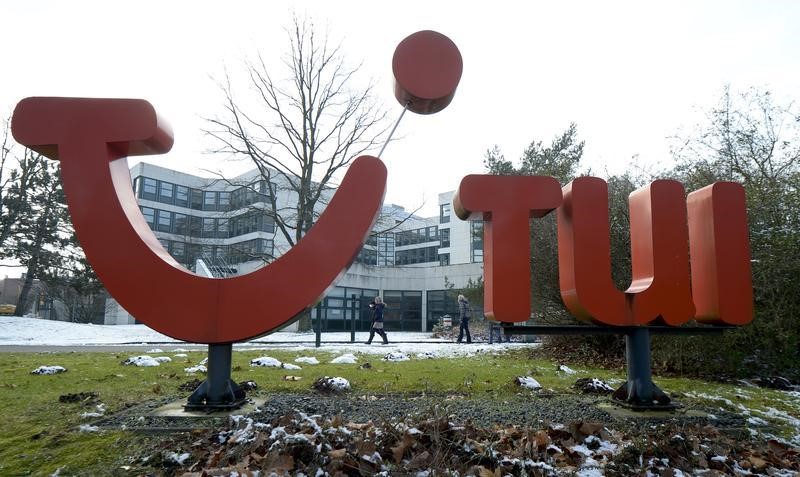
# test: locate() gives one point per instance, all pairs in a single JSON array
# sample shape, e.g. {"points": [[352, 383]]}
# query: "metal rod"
{"points": [[405, 108], [637, 357], [318, 340], [219, 373], [353, 318]]}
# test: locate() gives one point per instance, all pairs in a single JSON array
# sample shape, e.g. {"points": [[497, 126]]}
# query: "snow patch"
{"points": [[307, 360], [566, 369], [528, 382], [43, 370], [290, 366], [196, 369], [163, 359], [178, 458], [396, 356], [143, 360], [180, 355], [266, 362], [88, 428], [348, 358]]}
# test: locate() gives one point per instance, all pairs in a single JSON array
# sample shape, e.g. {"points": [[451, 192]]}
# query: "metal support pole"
{"points": [[318, 340], [639, 392], [352, 318], [218, 391]]}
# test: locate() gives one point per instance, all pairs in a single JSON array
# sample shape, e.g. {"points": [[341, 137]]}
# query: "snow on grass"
{"points": [[396, 356], [348, 358], [178, 459], [196, 369], [44, 370], [290, 366], [527, 382], [39, 332], [566, 370], [155, 351], [334, 384], [307, 360], [163, 359], [142, 360], [88, 428], [266, 362], [180, 355]]}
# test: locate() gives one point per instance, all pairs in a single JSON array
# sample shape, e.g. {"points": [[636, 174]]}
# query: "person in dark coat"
{"points": [[377, 320], [464, 313]]}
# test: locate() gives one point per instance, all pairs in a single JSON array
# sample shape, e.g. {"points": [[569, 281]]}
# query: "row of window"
{"points": [[476, 245], [219, 255], [207, 227], [403, 309], [169, 193], [412, 237], [417, 255]]}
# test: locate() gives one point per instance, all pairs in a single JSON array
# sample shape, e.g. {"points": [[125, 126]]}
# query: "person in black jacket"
{"points": [[377, 320], [464, 313]]}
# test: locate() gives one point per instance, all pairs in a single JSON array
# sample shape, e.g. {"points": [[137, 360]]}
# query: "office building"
{"points": [[410, 261]]}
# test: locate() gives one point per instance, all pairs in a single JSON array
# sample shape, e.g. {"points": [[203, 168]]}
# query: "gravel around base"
{"points": [[528, 409]]}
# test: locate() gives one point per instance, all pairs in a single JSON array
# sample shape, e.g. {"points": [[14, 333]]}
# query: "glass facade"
{"points": [[337, 309], [417, 255], [168, 193], [207, 227], [219, 255], [444, 213], [476, 242], [385, 250], [403, 310]]}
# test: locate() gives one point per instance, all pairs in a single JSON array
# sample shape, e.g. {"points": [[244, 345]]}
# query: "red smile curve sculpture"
{"points": [[92, 138]]}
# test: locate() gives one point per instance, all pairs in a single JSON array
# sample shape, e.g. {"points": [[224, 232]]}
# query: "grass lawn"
{"points": [[39, 434]]}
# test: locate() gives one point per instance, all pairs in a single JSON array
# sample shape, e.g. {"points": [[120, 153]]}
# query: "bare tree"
{"points": [[304, 129]]}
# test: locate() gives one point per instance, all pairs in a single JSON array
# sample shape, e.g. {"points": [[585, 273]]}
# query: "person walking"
{"points": [[377, 320], [464, 313]]}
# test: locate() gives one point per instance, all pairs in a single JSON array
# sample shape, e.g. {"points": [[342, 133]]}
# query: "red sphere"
{"points": [[427, 67]]}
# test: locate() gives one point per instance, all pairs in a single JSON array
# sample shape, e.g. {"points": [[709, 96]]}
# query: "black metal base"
{"points": [[659, 400], [232, 398], [218, 392]]}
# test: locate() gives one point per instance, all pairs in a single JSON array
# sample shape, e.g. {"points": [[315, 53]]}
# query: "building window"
{"points": [[209, 200], [417, 255], [222, 228], [403, 310], [224, 200], [178, 250], [182, 196], [149, 216], [209, 230], [181, 224], [165, 192], [197, 199], [444, 213], [444, 238], [444, 259], [440, 303], [476, 230], [149, 189], [164, 221], [385, 249]]}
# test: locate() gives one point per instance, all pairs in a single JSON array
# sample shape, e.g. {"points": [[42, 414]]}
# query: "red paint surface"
{"points": [[720, 250], [506, 204], [661, 230], [92, 137], [427, 67]]}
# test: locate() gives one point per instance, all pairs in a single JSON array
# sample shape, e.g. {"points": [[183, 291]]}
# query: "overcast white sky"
{"points": [[630, 74]]}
